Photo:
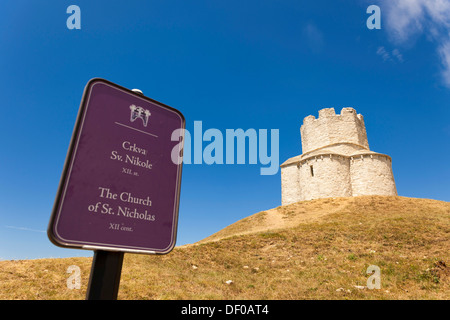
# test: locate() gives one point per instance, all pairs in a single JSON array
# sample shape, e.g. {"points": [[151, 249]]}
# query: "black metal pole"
{"points": [[105, 275]]}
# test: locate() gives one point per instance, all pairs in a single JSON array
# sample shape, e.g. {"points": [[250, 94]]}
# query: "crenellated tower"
{"points": [[331, 129]]}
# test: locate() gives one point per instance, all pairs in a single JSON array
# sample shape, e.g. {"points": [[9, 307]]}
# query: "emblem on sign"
{"points": [[139, 113]]}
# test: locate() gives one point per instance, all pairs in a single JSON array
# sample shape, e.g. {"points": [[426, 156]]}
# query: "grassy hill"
{"points": [[317, 249]]}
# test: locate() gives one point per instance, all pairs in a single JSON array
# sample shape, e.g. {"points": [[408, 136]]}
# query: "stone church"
{"points": [[336, 161]]}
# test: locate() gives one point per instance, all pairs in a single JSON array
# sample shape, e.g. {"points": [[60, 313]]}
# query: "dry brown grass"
{"points": [[309, 250]]}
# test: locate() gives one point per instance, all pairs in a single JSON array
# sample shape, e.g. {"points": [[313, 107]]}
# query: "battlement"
{"points": [[328, 113], [331, 128]]}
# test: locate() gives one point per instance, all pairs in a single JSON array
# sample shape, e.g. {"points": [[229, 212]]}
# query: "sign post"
{"points": [[120, 187], [105, 275]]}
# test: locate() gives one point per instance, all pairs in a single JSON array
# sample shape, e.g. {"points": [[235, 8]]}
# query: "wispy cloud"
{"points": [[395, 55], [444, 53], [314, 37], [408, 19], [381, 51], [25, 229]]}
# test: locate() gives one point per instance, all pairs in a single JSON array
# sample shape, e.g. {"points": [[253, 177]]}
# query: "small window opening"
{"points": [[312, 171]]}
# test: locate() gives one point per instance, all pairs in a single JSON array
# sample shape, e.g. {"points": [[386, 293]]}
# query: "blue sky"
{"points": [[230, 64]]}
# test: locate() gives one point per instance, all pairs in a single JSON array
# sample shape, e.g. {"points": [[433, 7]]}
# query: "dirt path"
{"points": [[282, 217]]}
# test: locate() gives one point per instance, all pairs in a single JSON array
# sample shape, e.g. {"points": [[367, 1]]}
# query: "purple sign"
{"points": [[120, 187]]}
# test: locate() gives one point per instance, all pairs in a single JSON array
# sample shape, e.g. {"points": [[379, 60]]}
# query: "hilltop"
{"points": [[318, 249]]}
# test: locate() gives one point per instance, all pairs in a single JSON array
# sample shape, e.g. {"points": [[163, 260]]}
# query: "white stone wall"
{"points": [[372, 175], [290, 188], [329, 177], [338, 148]]}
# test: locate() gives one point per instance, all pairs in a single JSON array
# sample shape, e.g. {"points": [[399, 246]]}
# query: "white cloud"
{"points": [[403, 18], [386, 56], [408, 19], [444, 53], [397, 55], [381, 51], [314, 37]]}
